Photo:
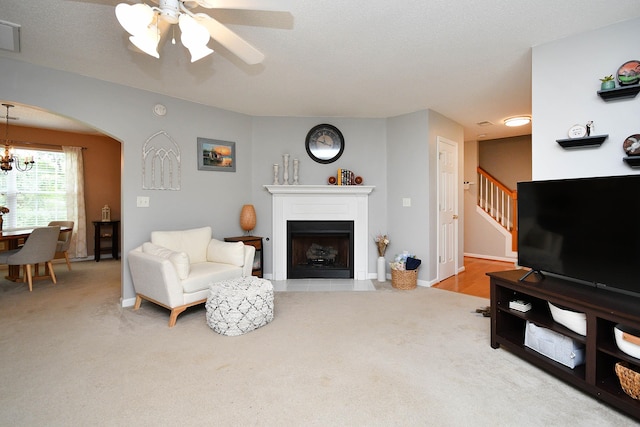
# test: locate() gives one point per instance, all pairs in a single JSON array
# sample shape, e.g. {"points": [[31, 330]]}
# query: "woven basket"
{"points": [[629, 379], [404, 279]]}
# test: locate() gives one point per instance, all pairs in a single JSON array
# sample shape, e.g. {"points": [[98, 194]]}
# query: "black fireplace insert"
{"points": [[319, 249]]}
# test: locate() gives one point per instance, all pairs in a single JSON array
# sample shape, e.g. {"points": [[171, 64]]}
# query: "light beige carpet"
{"points": [[71, 356]]}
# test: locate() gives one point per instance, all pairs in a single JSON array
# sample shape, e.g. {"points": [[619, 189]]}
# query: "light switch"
{"points": [[406, 202]]}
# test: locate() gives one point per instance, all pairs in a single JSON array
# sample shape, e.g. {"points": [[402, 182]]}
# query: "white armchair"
{"points": [[176, 268]]}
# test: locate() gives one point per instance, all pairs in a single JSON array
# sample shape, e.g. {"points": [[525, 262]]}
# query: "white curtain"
{"points": [[75, 201]]}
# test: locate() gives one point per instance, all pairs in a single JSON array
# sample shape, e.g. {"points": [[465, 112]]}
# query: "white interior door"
{"points": [[447, 208]]}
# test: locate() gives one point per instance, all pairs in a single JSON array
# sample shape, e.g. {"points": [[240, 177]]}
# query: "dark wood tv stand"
{"points": [[603, 308]]}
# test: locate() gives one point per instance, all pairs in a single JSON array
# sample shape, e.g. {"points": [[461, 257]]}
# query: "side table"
{"points": [[256, 242], [107, 238]]}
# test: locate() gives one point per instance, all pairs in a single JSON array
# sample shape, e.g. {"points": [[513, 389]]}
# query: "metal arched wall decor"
{"points": [[160, 163]]}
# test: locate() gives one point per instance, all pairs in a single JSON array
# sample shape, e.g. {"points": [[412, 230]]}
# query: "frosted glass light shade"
{"points": [[248, 218], [517, 121], [147, 42], [194, 37], [134, 18]]}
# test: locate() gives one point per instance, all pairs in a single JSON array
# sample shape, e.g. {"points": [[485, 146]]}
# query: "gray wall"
{"points": [[507, 159], [215, 198], [412, 164]]}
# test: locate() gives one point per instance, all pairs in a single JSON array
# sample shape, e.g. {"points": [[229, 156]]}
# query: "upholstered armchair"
{"points": [[64, 240], [39, 247], [176, 268]]}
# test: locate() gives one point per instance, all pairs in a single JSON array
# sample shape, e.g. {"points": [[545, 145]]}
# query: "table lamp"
{"points": [[248, 218]]}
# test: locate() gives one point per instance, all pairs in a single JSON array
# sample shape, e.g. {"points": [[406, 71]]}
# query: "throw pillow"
{"points": [[226, 252], [180, 260], [194, 242]]}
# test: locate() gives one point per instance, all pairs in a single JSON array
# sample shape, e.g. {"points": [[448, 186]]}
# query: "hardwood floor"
{"points": [[473, 280]]}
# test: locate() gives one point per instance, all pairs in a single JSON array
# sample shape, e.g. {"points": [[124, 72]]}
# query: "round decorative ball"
{"points": [[332, 180], [358, 180], [631, 145]]}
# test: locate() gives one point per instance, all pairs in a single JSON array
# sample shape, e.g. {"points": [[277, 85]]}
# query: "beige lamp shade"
{"points": [[248, 218]]}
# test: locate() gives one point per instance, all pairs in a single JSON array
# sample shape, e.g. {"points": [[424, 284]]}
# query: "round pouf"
{"points": [[237, 306]]}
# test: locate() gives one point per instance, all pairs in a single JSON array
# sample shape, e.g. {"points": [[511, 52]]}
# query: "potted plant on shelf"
{"points": [[607, 82]]}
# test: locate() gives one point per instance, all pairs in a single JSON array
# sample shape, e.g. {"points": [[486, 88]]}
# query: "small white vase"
{"points": [[382, 269]]}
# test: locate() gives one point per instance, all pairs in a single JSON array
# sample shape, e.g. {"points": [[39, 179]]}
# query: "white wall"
{"points": [[565, 82]]}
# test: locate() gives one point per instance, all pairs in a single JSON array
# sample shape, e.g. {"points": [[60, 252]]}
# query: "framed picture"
{"points": [[216, 155]]}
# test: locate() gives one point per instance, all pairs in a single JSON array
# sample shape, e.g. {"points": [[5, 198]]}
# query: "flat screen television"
{"points": [[585, 229]]}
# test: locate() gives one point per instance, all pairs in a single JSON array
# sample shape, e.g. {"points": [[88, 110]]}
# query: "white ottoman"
{"points": [[237, 306]]}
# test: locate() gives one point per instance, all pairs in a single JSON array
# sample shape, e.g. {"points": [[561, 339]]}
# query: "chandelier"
{"points": [[9, 158], [146, 24]]}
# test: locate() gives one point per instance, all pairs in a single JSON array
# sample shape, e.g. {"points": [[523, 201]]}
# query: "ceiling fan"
{"points": [[148, 24]]}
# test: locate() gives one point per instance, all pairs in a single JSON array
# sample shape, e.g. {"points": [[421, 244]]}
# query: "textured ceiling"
{"points": [[469, 60]]}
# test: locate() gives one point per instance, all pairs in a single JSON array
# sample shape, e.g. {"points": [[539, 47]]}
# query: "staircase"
{"points": [[500, 203]]}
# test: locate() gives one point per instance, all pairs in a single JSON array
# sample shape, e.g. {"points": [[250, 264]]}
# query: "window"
{"points": [[37, 196]]}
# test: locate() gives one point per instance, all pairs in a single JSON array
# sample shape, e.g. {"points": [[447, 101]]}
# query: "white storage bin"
{"points": [[556, 346], [573, 320], [628, 340]]}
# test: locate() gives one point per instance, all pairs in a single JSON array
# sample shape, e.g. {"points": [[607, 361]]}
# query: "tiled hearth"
{"points": [[320, 203]]}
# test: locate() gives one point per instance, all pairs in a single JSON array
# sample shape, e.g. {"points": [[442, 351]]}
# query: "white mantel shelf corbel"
{"points": [[320, 203]]}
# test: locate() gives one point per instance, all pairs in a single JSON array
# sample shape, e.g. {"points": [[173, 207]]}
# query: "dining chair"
{"points": [[64, 240], [39, 247]]}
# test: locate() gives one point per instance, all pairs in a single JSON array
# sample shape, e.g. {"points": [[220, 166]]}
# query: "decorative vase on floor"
{"points": [[382, 269]]}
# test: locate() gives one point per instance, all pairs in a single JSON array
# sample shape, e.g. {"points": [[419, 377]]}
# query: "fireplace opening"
{"points": [[319, 249]]}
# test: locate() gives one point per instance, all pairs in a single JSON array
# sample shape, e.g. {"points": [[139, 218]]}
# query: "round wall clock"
{"points": [[324, 143]]}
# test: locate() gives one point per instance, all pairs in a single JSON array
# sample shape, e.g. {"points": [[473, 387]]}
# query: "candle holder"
{"points": [[296, 167], [285, 169]]}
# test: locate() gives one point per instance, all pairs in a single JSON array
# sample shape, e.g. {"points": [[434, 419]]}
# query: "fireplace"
{"points": [[321, 203], [319, 249]]}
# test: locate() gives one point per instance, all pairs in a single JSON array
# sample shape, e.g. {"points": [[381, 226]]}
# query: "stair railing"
{"points": [[500, 203]]}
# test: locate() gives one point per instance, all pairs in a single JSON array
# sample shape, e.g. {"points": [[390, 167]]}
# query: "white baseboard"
{"points": [[492, 258]]}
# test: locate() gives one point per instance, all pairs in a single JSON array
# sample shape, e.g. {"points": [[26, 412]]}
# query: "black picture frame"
{"points": [[216, 155], [324, 143]]}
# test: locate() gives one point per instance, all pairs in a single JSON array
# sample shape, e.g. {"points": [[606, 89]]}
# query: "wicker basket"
{"points": [[629, 379], [404, 279]]}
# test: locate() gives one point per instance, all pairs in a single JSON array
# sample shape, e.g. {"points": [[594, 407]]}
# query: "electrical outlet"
{"points": [[142, 202], [406, 202]]}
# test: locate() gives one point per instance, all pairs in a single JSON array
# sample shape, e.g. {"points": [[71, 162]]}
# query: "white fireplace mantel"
{"points": [[320, 203]]}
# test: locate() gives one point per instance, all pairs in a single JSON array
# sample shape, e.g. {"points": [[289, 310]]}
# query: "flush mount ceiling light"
{"points": [[517, 121], [147, 26]]}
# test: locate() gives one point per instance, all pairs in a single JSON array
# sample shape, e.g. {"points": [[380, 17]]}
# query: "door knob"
{"points": [[455, 216]]}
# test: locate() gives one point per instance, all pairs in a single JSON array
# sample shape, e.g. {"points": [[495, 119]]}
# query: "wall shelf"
{"points": [[633, 161], [587, 141], [619, 92]]}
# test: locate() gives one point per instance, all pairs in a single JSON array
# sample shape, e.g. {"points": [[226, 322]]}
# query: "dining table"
{"points": [[12, 239]]}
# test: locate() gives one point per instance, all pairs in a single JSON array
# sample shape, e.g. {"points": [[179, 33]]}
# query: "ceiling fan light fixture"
{"points": [[194, 37], [134, 18], [169, 10], [146, 42], [517, 121]]}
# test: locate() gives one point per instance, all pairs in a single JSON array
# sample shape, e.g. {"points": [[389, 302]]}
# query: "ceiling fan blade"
{"points": [[230, 40], [266, 5]]}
